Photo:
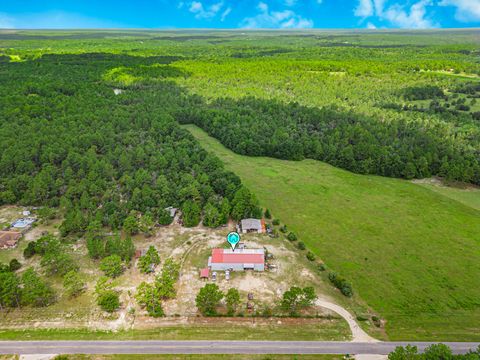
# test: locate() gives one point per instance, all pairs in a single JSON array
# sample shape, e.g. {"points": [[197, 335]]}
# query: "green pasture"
{"points": [[469, 195], [411, 253]]}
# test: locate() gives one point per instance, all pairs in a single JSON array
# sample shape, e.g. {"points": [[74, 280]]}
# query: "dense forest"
{"points": [[68, 141], [71, 147]]}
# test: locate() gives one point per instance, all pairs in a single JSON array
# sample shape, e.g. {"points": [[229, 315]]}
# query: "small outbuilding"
{"points": [[204, 273], [171, 211], [252, 225], [9, 239]]}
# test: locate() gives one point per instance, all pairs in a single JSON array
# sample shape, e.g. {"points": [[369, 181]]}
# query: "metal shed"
{"points": [[239, 260]]}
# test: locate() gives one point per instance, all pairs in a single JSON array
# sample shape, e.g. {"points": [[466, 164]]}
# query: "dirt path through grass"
{"points": [[358, 335]]}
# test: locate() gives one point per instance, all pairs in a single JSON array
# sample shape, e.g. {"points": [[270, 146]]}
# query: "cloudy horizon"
{"points": [[248, 14]]}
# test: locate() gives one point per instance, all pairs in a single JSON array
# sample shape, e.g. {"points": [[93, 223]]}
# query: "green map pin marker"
{"points": [[233, 239]]}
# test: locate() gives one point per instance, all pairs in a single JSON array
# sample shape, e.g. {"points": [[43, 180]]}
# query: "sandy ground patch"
{"points": [[9, 213], [439, 182]]}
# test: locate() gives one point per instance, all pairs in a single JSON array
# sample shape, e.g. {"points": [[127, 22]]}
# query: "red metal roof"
{"points": [[204, 273], [219, 256]]}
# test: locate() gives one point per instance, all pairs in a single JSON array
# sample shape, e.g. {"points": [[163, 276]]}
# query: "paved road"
{"points": [[212, 347]]}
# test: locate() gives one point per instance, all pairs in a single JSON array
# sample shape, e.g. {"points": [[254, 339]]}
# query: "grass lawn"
{"points": [[320, 329], [411, 253]]}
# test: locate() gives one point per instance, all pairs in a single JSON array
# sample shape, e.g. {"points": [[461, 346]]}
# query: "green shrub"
{"points": [[267, 214], [164, 217], [61, 357], [148, 297], [283, 229], [362, 318], [208, 299], [267, 311], [311, 256], [14, 265], [232, 300], [29, 250], [36, 291], [321, 267], [341, 284], [112, 265], [276, 222], [291, 236], [297, 298], [109, 301], [376, 321], [149, 261], [301, 245]]}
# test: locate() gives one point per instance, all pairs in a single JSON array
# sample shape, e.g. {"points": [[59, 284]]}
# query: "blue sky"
{"points": [[239, 14]]}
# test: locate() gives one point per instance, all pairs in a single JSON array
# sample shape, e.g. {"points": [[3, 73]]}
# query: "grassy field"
{"points": [[411, 253], [334, 329], [469, 196]]}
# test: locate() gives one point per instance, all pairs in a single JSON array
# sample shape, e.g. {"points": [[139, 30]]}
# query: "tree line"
{"points": [[352, 141]]}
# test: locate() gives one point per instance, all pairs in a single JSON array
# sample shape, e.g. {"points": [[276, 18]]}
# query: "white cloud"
{"points": [[54, 20], [371, 26], [202, 12], [196, 7], [467, 10], [364, 8], [290, 2], [412, 19], [286, 19], [225, 13], [262, 7], [397, 15], [378, 5]]}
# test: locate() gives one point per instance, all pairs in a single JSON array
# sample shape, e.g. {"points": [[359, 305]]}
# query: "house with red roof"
{"points": [[238, 260]]}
